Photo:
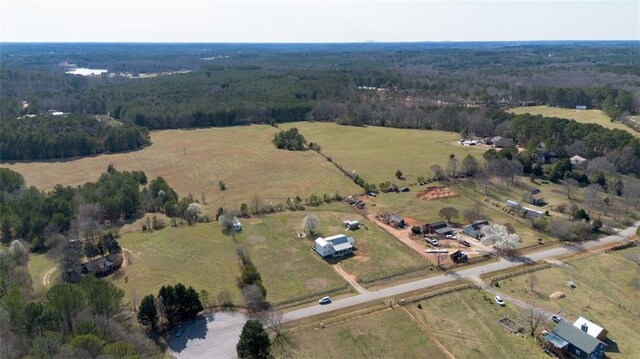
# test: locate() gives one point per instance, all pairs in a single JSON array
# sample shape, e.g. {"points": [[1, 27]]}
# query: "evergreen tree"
{"points": [[147, 312], [254, 341]]}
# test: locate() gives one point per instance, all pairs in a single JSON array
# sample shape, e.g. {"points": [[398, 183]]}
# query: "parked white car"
{"points": [[499, 300]]}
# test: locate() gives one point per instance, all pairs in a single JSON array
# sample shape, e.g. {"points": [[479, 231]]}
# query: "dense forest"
{"points": [[44, 137], [454, 87], [276, 82]]}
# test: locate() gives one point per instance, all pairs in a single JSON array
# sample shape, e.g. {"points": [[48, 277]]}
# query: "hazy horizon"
{"points": [[308, 21]]}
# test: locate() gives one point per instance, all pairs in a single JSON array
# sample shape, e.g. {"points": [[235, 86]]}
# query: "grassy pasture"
{"points": [[39, 265], [193, 161], [376, 153], [607, 292], [386, 334], [378, 253], [583, 116], [465, 322], [203, 257], [287, 264], [199, 256]]}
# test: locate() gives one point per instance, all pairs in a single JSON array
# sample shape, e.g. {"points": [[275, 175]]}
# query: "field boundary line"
{"points": [[431, 336]]}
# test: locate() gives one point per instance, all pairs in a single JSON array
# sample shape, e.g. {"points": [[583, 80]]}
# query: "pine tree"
{"points": [[254, 341], [147, 313]]}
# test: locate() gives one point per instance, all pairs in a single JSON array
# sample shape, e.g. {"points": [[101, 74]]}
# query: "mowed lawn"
{"points": [[193, 161], [583, 116], [377, 253], [465, 322], [386, 334], [39, 264], [376, 153], [288, 266], [199, 256], [607, 293]]}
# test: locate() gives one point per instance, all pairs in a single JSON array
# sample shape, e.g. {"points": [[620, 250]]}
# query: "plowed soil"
{"points": [[434, 193]]}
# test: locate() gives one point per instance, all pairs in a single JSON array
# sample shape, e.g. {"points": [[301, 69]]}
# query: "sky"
{"points": [[317, 21]]}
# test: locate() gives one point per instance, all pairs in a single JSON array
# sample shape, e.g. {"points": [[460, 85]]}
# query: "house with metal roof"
{"points": [[591, 328], [570, 341], [473, 230], [334, 246], [440, 228], [501, 142]]}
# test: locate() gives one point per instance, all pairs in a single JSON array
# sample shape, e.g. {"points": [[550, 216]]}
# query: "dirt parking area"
{"points": [[419, 244]]}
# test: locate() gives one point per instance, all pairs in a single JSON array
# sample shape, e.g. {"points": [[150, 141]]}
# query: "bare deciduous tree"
{"points": [[569, 185], [255, 204], [534, 317], [310, 224], [253, 298]]}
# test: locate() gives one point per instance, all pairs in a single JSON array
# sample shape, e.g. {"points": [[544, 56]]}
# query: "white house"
{"points": [[578, 162], [334, 246], [236, 225]]}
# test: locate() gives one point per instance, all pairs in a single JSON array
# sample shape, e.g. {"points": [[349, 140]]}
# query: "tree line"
{"points": [[46, 137], [41, 217]]}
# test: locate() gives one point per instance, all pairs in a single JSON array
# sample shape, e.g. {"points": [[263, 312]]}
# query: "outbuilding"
{"points": [[351, 224], [440, 228], [236, 225]]}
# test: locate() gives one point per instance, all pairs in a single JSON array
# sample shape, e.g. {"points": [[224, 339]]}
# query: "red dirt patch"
{"points": [[435, 193]]}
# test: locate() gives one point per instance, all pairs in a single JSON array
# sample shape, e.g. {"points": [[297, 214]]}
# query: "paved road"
{"points": [[210, 346]]}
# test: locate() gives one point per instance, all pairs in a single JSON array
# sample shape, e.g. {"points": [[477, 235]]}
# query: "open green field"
{"points": [[203, 257], [583, 116], [607, 292], [198, 256], [193, 161], [465, 322], [287, 264], [376, 153], [386, 334], [39, 265], [378, 253]]}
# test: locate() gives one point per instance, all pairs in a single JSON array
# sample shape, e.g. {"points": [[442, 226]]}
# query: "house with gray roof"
{"points": [[573, 342], [501, 142], [473, 230]]}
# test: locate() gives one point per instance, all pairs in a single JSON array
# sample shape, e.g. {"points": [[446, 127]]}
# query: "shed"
{"points": [[236, 225], [529, 213], [513, 204], [440, 228], [351, 224], [581, 107]]}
